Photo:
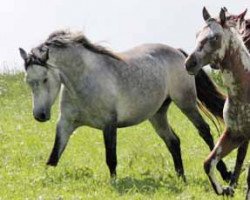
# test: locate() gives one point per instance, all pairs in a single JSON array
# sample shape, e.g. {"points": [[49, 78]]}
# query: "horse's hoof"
{"points": [[227, 176], [228, 191], [113, 179], [233, 183], [113, 175], [184, 178], [52, 164]]}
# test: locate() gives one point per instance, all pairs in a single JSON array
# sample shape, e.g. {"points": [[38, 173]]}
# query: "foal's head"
{"points": [[212, 42], [43, 80]]}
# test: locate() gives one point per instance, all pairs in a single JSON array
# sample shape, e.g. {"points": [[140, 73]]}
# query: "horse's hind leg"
{"points": [[109, 134], [241, 154], [226, 143], [195, 117], [160, 123]]}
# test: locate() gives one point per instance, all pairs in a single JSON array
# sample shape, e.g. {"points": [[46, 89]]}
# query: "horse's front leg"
{"points": [[63, 131], [224, 146], [109, 133], [241, 154]]}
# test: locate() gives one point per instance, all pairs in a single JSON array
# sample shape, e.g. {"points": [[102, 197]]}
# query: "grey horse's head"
{"points": [[44, 82], [212, 42]]}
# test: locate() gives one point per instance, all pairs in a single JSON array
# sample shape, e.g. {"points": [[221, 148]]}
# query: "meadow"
{"points": [[145, 167]]}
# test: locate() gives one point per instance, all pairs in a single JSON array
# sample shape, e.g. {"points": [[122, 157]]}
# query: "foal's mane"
{"points": [[246, 34], [64, 38]]}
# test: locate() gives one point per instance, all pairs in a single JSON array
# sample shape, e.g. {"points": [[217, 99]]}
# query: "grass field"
{"points": [[145, 167]]}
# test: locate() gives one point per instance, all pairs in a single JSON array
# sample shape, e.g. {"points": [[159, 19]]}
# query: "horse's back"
{"points": [[153, 51], [154, 73], [171, 63]]}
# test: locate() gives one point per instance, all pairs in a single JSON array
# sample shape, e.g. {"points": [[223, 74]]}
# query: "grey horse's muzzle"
{"points": [[42, 116], [192, 65]]}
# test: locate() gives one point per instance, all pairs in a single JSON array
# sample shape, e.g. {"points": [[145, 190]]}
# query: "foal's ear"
{"points": [[242, 15], [205, 14], [222, 17], [23, 54]]}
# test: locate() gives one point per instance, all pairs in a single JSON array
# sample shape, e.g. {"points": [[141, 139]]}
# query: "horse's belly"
{"points": [[132, 113]]}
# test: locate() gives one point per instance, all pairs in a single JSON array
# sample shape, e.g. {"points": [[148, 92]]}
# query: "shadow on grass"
{"points": [[54, 176], [146, 185]]}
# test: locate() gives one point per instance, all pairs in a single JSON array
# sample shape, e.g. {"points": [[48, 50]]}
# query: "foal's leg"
{"points": [[63, 131], [225, 145], [242, 151], [109, 134], [160, 123], [195, 117]]}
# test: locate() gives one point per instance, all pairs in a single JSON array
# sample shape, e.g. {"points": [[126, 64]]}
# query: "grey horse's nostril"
{"points": [[193, 63], [43, 116]]}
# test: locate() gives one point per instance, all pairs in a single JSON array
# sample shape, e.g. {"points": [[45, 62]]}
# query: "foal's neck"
{"points": [[236, 69]]}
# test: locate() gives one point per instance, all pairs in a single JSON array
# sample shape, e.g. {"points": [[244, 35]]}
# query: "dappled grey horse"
{"points": [[107, 91]]}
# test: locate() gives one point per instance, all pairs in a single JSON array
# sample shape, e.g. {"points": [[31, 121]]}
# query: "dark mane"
{"points": [[63, 38], [246, 34]]}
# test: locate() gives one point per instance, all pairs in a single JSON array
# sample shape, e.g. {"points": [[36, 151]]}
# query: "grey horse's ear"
{"points": [[23, 54], [222, 17], [205, 14], [42, 54], [225, 9], [45, 55]]}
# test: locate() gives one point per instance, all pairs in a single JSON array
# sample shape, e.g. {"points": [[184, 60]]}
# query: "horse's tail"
{"points": [[208, 94]]}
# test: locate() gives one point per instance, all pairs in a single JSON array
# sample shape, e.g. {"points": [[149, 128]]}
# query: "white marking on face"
{"points": [[205, 38]]}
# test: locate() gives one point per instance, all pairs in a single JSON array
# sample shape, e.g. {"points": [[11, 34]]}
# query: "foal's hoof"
{"points": [[233, 184], [228, 191]]}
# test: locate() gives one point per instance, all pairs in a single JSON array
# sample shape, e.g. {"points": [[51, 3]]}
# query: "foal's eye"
{"points": [[45, 80], [214, 38]]}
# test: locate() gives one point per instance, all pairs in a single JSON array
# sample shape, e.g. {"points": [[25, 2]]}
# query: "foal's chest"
{"points": [[237, 116]]}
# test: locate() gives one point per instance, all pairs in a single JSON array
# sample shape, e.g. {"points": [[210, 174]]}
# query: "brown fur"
{"points": [[232, 62]]}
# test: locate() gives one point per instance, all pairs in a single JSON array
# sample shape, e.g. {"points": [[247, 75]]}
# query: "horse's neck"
{"points": [[236, 69], [74, 67]]}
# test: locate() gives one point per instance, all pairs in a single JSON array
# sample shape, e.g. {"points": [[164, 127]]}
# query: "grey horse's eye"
{"points": [[45, 80], [33, 83]]}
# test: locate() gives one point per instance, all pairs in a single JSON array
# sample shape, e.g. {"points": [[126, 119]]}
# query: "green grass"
{"points": [[145, 168]]}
